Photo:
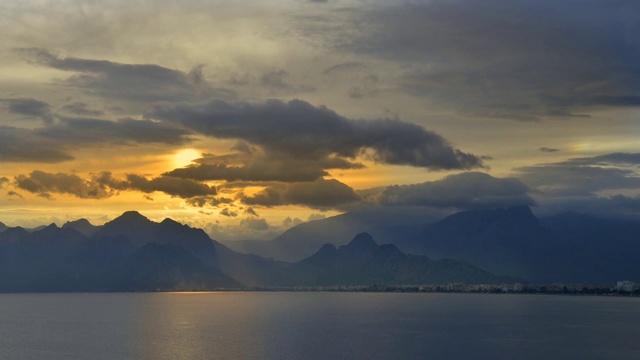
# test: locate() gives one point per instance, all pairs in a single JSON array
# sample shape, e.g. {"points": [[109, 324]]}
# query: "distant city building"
{"points": [[625, 285]]}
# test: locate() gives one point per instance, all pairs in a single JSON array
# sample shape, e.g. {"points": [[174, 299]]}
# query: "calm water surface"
{"points": [[317, 326]]}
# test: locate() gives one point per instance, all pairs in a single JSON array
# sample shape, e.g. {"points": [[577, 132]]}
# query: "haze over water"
{"points": [[316, 326]]}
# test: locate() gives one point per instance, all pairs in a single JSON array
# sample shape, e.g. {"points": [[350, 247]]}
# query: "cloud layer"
{"points": [[497, 59], [472, 190], [298, 131], [131, 82], [104, 185]]}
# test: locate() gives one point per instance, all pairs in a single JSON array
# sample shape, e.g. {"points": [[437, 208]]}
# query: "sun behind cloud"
{"points": [[185, 157]]}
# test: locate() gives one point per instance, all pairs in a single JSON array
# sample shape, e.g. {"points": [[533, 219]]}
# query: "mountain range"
{"points": [[567, 247], [133, 253]]}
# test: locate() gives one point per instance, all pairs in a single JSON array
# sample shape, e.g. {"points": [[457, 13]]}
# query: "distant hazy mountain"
{"points": [[564, 248], [83, 226], [3, 227], [362, 261], [301, 241], [133, 253]]}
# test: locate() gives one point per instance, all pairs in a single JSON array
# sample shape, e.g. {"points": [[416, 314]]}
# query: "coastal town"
{"points": [[620, 288]]}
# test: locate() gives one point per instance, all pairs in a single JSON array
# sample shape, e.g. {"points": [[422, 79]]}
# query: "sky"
{"points": [[245, 118]]}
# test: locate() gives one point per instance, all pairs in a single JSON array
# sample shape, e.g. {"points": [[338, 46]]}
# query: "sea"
{"points": [[317, 325]]}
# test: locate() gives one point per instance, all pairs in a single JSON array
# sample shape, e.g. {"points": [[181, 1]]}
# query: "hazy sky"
{"points": [[247, 117]]}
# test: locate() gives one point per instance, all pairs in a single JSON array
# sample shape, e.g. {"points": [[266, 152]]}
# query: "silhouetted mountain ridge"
{"points": [[362, 261], [82, 226], [133, 253], [567, 247]]}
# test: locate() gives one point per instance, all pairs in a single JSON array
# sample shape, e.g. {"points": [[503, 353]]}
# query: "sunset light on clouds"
{"points": [[245, 118]]}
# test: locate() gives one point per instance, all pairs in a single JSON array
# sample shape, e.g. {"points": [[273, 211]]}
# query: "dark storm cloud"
{"points": [[584, 176], [23, 145], [30, 108], [134, 82], [103, 185], [304, 132], [472, 190], [521, 59], [320, 194]]}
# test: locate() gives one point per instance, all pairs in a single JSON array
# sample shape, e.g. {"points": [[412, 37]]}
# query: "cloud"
{"points": [[548, 150], [183, 188], [470, 190], [25, 145], [52, 143], [522, 60], [367, 86], [260, 167], [132, 82], [15, 194], [42, 183], [289, 222], [322, 194], [30, 108], [81, 109], [628, 159], [254, 224], [348, 67], [305, 132], [228, 212], [615, 206], [3, 181], [88, 131], [314, 217], [202, 201], [583, 176], [103, 185], [599, 185]]}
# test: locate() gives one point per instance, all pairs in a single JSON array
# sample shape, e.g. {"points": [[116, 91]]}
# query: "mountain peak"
{"points": [[80, 222], [171, 222], [131, 217], [82, 226], [362, 242], [327, 249], [51, 226]]}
